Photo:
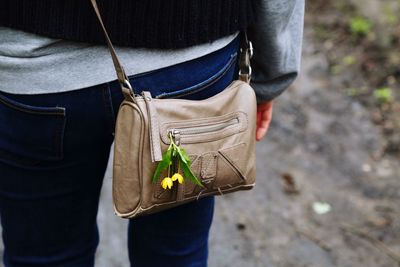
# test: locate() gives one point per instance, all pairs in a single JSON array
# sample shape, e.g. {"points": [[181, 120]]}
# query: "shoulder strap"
{"points": [[122, 77]]}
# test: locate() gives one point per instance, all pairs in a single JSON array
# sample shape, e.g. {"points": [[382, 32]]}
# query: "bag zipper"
{"points": [[177, 132]]}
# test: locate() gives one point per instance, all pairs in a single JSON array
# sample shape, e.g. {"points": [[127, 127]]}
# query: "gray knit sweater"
{"points": [[34, 64]]}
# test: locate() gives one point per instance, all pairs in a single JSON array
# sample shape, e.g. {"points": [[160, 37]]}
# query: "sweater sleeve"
{"points": [[277, 40]]}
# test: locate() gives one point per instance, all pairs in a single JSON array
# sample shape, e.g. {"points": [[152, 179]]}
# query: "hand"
{"points": [[264, 115]]}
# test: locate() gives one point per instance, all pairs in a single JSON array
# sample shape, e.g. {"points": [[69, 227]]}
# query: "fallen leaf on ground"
{"points": [[321, 207], [289, 184]]}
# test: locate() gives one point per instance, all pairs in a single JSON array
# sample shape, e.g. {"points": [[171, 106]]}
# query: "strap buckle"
{"points": [[246, 53], [127, 90]]}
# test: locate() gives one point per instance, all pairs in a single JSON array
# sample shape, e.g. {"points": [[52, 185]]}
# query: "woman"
{"points": [[59, 100]]}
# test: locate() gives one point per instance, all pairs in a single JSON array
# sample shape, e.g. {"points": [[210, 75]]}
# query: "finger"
{"points": [[260, 133], [266, 118], [261, 109], [264, 123], [262, 130]]}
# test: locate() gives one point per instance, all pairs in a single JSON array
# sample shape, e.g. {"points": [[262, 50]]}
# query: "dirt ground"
{"points": [[361, 40], [325, 194], [325, 143]]}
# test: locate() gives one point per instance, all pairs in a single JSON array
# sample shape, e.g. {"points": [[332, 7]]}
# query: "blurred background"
{"points": [[328, 188]]}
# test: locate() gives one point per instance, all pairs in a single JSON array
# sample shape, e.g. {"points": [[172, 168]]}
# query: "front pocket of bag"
{"points": [[30, 134], [204, 130], [218, 170], [224, 165]]}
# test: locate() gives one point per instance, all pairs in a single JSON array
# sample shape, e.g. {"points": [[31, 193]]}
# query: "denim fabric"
{"points": [[54, 150]]}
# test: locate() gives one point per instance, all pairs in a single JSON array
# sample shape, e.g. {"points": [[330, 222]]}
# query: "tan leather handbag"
{"points": [[217, 133]]}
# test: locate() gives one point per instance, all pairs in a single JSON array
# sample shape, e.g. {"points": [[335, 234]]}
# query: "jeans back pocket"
{"points": [[30, 134]]}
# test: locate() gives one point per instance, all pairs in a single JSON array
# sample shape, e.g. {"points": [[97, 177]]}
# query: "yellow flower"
{"points": [[178, 177], [166, 182]]}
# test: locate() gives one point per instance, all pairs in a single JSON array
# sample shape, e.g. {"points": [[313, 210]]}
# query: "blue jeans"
{"points": [[54, 150]]}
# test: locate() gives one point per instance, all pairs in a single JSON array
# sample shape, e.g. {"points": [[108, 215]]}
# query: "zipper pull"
{"points": [[154, 132], [176, 135]]}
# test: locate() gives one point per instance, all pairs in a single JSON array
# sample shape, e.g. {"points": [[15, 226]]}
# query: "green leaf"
{"points": [[174, 166], [162, 165], [383, 94], [174, 151], [184, 156], [360, 25], [188, 174]]}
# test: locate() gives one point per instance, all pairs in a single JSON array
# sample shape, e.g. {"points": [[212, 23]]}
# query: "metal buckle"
{"points": [[127, 90], [248, 72], [245, 55], [250, 49], [127, 84]]}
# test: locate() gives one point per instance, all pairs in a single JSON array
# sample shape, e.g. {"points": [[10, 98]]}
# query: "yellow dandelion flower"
{"points": [[178, 177], [166, 182]]}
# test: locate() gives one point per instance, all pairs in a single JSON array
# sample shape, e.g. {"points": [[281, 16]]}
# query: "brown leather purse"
{"points": [[218, 134]]}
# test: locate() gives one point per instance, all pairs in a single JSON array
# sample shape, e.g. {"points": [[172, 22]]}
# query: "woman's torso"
{"points": [[35, 64]]}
